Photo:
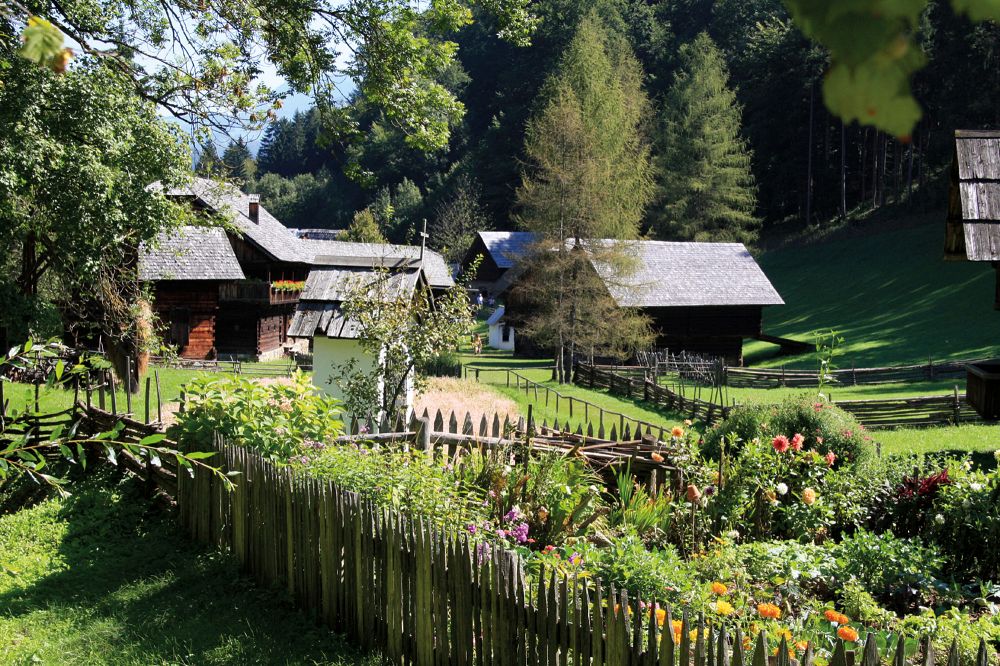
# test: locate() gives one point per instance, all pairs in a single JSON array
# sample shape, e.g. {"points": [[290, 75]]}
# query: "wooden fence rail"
{"points": [[609, 423], [937, 410], [931, 371], [423, 594]]}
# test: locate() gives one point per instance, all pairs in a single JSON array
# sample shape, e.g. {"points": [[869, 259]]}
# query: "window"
{"points": [[180, 327], [507, 332]]}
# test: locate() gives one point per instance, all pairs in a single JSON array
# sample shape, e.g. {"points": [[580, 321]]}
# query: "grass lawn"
{"points": [[105, 578], [890, 294], [536, 370], [836, 392], [21, 396]]}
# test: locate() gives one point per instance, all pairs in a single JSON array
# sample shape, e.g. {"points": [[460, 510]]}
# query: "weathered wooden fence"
{"points": [[238, 367], [423, 594], [572, 408], [638, 386], [937, 410], [931, 371]]}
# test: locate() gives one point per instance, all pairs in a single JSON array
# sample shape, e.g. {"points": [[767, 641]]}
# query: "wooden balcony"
{"points": [[256, 292]]}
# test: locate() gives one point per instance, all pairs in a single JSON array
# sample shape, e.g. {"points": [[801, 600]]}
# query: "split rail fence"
{"points": [[423, 594], [610, 423], [938, 410], [929, 372]]}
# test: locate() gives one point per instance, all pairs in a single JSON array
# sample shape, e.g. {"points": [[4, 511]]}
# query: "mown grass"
{"points": [[890, 295], [105, 578]]}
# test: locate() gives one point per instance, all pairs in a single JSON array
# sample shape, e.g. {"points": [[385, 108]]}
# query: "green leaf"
{"points": [[199, 455], [60, 366], [150, 440]]}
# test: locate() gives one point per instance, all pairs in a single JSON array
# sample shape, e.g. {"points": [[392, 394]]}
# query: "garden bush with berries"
{"points": [[786, 520]]}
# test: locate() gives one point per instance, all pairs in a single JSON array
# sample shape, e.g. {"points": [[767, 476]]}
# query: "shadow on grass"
{"points": [[134, 590]]}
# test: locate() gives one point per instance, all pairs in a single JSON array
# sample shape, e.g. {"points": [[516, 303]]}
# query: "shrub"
{"points": [[904, 571], [445, 364], [653, 574], [966, 521], [825, 428], [274, 419]]}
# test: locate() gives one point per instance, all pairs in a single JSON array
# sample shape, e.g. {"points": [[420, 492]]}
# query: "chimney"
{"points": [[254, 212]]}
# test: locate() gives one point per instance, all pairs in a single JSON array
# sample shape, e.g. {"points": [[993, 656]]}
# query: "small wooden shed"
{"points": [[973, 234]]}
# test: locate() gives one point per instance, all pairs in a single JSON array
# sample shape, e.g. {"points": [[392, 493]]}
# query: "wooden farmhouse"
{"points": [[500, 252], [973, 227], [231, 291], [702, 298]]}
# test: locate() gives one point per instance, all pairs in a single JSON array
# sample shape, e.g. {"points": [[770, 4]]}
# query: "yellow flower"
{"points": [[661, 616], [723, 607], [719, 588], [784, 633]]}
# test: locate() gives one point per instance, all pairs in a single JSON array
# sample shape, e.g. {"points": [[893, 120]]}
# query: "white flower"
{"points": [[939, 519], [966, 504], [976, 487], [782, 488], [733, 534]]}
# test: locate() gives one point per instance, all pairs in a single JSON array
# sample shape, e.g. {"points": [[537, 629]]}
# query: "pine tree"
{"points": [[238, 161], [457, 219], [209, 163], [590, 179], [364, 228], [707, 189]]}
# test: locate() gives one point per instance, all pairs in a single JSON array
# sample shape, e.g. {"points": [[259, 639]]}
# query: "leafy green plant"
{"points": [[276, 420], [649, 514]]}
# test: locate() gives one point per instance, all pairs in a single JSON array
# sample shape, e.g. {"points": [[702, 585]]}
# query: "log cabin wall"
{"points": [[707, 330], [187, 312]]}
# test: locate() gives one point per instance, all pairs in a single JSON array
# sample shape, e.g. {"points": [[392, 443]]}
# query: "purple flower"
{"points": [[576, 559], [520, 533], [501, 532], [471, 528], [512, 515], [313, 444]]}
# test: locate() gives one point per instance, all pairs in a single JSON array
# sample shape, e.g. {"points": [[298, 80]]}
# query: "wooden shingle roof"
{"points": [[974, 201], [190, 253], [320, 312], [507, 247], [679, 274]]}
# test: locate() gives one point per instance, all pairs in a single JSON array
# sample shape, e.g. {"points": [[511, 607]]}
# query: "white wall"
{"points": [[331, 353], [496, 338]]}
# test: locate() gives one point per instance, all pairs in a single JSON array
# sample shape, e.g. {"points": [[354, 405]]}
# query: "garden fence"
{"points": [[929, 372], [428, 595]]}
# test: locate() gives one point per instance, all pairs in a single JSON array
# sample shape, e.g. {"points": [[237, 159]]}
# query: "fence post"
{"points": [[159, 412], [148, 380], [957, 406], [424, 433], [128, 384]]}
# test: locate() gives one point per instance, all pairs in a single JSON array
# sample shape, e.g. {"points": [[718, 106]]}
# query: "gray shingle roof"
{"points": [[319, 311], [506, 247], [672, 274], [283, 244], [190, 253], [977, 159]]}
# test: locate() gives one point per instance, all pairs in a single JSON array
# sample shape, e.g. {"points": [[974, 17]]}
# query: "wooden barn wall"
{"points": [[710, 321], [201, 299], [248, 330]]}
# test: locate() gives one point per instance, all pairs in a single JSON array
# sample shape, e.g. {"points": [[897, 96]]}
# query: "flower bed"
{"points": [[802, 534]]}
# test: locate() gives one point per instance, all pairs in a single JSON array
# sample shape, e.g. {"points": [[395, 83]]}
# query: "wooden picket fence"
{"points": [[423, 594]]}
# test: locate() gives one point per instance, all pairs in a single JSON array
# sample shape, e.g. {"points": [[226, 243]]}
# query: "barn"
{"points": [[703, 298], [500, 252], [231, 292]]}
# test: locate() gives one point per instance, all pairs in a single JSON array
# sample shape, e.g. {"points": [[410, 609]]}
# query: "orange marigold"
{"points": [[677, 432], [847, 634], [843, 619], [801, 645], [832, 615], [719, 588], [769, 611]]}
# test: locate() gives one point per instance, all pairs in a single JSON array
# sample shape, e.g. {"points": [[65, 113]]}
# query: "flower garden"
{"points": [[781, 520]]}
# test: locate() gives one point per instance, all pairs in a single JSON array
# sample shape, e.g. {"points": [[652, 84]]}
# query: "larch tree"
{"points": [[589, 178], [707, 190]]}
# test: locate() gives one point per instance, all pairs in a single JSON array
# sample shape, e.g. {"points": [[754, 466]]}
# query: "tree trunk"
{"points": [[809, 159], [843, 171]]}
